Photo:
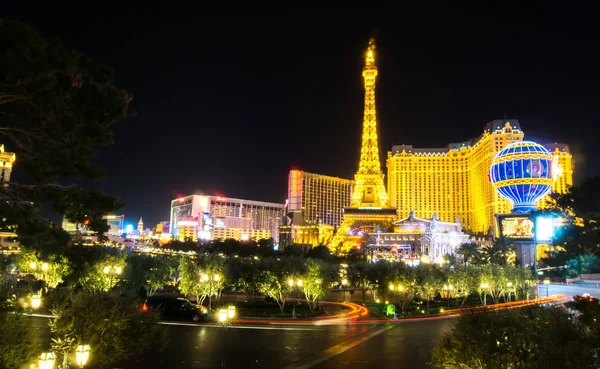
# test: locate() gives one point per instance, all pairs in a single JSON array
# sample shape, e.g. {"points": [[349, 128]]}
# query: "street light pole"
{"points": [[546, 282], [225, 316], [344, 283], [509, 285]]}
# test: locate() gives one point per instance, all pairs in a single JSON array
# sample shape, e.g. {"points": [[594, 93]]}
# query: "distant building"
{"points": [[295, 231], [7, 159], [162, 227], [320, 198], [453, 181], [116, 223], [415, 237], [140, 227], [219, 217]]}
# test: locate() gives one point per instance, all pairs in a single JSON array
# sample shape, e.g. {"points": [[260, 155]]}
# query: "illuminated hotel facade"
{"points": [[217, 217], [8, 237], [319, 198], [453, 181], [7, 160]]}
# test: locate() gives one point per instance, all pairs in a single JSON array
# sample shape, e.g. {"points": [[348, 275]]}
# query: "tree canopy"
{"points": [[57, 108]]}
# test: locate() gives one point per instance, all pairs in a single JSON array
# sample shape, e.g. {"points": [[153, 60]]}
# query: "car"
{"points": [[175, 308]]}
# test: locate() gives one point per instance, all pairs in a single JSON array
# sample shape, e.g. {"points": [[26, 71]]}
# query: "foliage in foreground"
{"points": [[19, 345], [530, 338], [113, 325]]}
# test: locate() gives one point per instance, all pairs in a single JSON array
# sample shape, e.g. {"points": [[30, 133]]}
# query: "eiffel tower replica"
{"points": [[369, 206]]}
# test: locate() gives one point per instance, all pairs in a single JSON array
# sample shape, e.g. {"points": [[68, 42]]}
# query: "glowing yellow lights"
{"points": [[222, 315], [36, 301], [82, 354], [32, 265], [46, 360], [45, 267], [230, 312], [484, 286], [369, 189]]}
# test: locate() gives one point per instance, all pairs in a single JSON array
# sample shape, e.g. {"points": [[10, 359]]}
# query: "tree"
{"points": [[469, 251], [57, 108], [152, 273], [361, 275], [316, 281], [113, 325], [580, 231], [103, 275], [191, 280], [528, 338], [276, 273], [583, 264], [19, 344], [246, 276], [52, 269], [464, 281], [321, 252], [430, 282]]}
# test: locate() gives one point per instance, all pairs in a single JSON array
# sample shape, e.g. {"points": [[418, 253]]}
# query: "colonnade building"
{"points": [[453, 181]]}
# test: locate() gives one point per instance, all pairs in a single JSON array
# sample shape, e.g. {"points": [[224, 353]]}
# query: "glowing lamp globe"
{"points": [[523, 173]]}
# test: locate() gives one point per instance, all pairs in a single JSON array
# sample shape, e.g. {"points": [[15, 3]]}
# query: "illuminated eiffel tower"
{"points": [[369, 205]]}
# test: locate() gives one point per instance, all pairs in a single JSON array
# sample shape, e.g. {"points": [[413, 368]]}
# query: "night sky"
{"points": [[228, 103]]}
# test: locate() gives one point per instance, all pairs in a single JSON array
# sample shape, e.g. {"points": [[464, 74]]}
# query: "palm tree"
{"points": [[469, 252]]}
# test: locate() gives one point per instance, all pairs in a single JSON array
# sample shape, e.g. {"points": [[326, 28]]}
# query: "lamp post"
{"points": [[509, 285], [399, 288], [225, 316], [546, 282], [82, 354], [293, 283], [46, 360], [484, 286], [112, 271], [344, 283]]}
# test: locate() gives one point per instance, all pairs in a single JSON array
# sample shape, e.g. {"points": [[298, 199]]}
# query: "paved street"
{"points": [[340, 346], [570, 290]]}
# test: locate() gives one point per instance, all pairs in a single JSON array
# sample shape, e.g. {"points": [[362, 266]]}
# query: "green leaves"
{"points": [[525, 338], [113, 325]]}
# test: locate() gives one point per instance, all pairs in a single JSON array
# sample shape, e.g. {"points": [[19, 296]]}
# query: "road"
{"points": [[571, 290], [348, 346]]}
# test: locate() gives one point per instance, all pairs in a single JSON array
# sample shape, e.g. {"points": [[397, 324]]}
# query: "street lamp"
{"points": [[484, 286], [546, 282], [509, 285], [36, 301], [291, 283], [44, 267], [82, 354], [225, 316], [344, 282], [46, 360]]}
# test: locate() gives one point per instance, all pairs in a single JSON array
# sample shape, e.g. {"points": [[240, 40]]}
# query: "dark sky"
{"points": [[227, 103]]}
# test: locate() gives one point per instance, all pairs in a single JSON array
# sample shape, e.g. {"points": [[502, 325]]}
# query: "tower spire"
{"points": [[369, 168]]}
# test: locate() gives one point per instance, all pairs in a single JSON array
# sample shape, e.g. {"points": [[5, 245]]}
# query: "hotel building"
{"points": [[319, 198], [453, 181], [217, 217], [7, 160]]}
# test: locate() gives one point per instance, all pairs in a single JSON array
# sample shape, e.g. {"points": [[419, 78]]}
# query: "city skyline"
{"points": [[215, 136]]}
